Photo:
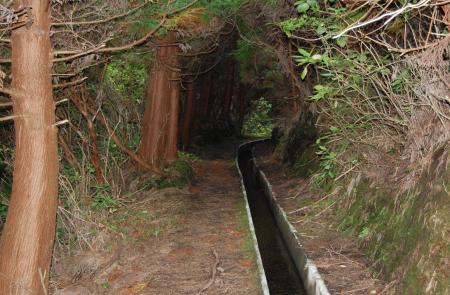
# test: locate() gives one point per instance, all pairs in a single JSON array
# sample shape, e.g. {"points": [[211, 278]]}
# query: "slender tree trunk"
{"points": [[27, 239], [229, 87], [242, 97], [160, 125], [188, 115], [205, 96]]}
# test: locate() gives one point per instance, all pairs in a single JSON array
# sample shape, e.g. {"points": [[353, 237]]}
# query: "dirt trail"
{"points": [[202, 243]]}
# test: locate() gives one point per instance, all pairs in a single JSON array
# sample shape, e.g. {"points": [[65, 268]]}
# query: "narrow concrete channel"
{"points": [[282, 276]]}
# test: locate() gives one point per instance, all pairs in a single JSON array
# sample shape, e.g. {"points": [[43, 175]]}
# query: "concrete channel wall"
{"points": [[262, 275], [312, 281]]}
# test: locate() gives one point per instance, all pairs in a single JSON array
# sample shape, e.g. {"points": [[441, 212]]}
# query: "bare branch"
{"points": [[6, 104], [390, 15], [72, 83], [96, 22]]}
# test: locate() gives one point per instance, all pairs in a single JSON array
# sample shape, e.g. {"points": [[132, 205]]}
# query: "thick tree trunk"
{"points": [[188, 115], [160, 125], [27, 239]]}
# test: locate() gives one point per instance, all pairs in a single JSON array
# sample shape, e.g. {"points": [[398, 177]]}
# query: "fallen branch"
{"points": [[72, 83], [390, 15], [213, 274]]}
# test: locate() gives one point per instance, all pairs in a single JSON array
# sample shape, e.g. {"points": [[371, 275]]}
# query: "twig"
{"points": [[6, 91], [8, 118], [6, 104], [213, 274], [42, 278], [391, 15], [72, 83], [96, 22]]}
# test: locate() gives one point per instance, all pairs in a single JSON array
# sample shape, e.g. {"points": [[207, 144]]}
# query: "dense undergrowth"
{"points": [[381, 115]]}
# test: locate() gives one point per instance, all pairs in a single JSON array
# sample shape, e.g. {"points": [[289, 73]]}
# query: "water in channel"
{"points": [[282, 277]]}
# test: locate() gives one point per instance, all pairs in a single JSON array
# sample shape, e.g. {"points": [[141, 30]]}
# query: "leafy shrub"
{"points": [[258, 123]]}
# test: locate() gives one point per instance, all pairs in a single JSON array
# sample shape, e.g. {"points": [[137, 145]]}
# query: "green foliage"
{"points": [[127, 75], [245, 53], [307, 5], [186, 156], [402, 80], [321, 91], [224, 8], [101, 202], [178, 174], [3, 211], [307, 162], [258, 123], [103, 199]]}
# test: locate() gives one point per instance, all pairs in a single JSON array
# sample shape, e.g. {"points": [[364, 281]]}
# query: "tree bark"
{"points": [[204, 106], [27, 239], [188, 115], [159, 141], [242, 97], [174, 109], [229, 87]]}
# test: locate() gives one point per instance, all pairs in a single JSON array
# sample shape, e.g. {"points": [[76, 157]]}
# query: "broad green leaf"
{"points": [[303, 7]]}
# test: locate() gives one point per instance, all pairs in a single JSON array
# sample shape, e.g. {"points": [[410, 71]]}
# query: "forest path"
{"points": [[192, 231]]}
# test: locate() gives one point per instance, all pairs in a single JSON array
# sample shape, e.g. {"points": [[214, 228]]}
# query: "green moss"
{"points": [[404, 235], [390, 234], [307, 162], [412, 281]]}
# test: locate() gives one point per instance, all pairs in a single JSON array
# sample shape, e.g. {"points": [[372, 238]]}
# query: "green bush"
{"points": [[258, 123]]}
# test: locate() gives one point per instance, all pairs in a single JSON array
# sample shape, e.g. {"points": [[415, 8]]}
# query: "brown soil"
{"points": [[194, 242], [343, 267]]}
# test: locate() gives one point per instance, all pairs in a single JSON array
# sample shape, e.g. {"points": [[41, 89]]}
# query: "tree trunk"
{"points": [[204, 106], [242, 98], [174, 107], [188, 115], [160, 125], [27, 239], [294, 90], [229, 87]]}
